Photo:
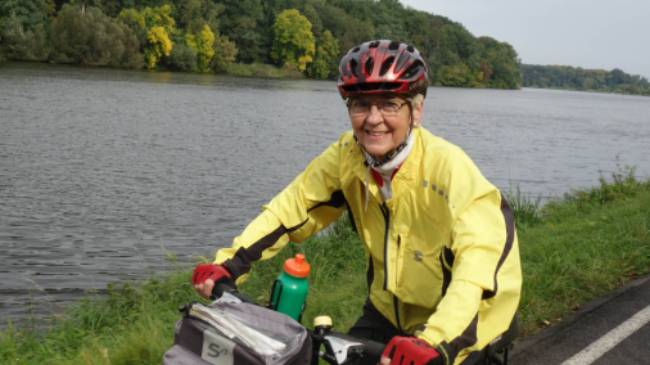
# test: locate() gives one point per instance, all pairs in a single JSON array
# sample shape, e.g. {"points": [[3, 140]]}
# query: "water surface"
{"points": [[103, 173]]}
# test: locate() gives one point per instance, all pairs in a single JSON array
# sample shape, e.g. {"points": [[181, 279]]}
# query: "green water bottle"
{"points": [[289, 291]]}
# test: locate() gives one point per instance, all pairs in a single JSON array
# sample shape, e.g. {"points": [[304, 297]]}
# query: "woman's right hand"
{"points": [[205, 276]]}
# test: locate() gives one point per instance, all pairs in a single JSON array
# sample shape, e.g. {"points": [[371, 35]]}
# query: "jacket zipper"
{"points": [[386, 213], [396, 308], [395, 300]]}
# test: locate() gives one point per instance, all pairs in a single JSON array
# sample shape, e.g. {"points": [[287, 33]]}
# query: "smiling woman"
{"points": [[387, 74], [429, 213]]}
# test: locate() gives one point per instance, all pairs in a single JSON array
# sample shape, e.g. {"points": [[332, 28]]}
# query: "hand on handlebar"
{"points": [[410, 350], [206, 276]]}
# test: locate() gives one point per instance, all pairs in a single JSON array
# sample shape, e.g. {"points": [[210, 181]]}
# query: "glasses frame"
{"points": [[380, 107]]}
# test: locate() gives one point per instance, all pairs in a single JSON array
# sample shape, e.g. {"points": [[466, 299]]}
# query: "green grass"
{"points": [[584, 246], [525, 209], [573, 250]]}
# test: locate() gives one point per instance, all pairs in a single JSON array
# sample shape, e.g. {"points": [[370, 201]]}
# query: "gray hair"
{"points": [[416, 101]]}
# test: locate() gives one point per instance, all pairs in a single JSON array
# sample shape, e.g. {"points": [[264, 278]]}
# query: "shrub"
{"points": [[91, 38], [182, 58]]}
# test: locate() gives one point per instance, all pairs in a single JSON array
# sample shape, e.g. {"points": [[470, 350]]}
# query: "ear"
{"points": [[417, 113]]}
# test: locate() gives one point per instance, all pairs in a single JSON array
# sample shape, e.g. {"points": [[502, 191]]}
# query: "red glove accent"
{"points": [[410, 350], [203, 272]]}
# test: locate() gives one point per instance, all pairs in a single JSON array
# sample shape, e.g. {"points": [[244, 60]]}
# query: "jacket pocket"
{"points": [[419, 273]]}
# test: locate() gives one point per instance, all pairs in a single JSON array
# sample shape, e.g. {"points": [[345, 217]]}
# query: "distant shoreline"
{"points": [[266, 71]]}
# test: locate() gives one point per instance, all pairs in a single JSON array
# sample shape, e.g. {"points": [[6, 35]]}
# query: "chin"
{"points": [[376, 152]]}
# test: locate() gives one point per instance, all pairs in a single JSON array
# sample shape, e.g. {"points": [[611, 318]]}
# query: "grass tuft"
{"points": [[525, 209]]}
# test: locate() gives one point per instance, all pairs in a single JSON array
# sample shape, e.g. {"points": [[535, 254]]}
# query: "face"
{"points": [[381, 123]]}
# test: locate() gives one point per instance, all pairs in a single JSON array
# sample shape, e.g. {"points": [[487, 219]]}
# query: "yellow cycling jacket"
{"points": [[444, 259]]}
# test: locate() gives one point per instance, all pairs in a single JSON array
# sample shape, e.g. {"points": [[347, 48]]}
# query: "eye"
{"points": [[359, 106], [390, 106]]}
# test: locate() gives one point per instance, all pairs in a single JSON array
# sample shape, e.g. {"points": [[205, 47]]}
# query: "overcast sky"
{"points": [[603, 34]]}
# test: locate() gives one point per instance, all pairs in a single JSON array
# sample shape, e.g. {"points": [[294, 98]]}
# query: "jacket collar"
{"points": [[405, 178]]}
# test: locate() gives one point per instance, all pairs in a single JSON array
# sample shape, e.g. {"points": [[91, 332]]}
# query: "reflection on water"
{"points": [[104, 172]]}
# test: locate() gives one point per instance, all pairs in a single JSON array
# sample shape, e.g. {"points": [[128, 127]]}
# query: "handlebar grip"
{"points": [[228, 286], [346, 349], [373, 349]]}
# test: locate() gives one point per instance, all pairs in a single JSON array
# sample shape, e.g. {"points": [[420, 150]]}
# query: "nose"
{"points": [[374, 116]]}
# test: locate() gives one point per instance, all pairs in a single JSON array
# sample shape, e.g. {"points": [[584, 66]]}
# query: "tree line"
{"points": [[576, 78], [308, 36]]}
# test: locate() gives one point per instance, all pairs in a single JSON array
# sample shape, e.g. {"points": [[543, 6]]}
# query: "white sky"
{"points": [[602, 34]]}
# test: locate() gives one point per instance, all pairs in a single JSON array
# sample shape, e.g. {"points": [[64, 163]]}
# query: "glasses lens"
{"points": [[386, 107], [389, 107], [359, 106]]}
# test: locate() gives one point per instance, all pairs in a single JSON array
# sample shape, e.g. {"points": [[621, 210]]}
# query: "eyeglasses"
{"points": [[387, 108]]}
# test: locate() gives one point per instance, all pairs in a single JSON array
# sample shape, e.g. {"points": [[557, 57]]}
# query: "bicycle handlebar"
{"points": [[343, 349]]}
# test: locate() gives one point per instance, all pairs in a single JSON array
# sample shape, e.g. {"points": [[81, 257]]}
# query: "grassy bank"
{"points": [[573, 251]]}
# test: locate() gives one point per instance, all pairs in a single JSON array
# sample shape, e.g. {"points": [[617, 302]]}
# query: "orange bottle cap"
{"points": [[297, 266]]}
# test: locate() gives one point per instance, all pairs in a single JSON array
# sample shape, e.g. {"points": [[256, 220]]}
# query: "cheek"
{"points": [[401, 127], [357, 126]]}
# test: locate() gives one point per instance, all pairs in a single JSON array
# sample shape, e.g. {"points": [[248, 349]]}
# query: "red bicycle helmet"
{"points": [[382, 66]]}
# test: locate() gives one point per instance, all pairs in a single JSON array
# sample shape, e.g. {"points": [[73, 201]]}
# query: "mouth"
{"points": [[376, 133]]}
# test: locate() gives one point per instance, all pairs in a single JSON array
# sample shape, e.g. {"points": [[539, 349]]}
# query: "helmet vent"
{"points": [[389, 86], [356, 49], [413, 70], [372, 86], [374, 44], [370, 63], [393, 45], [386, 65], [353, 68], [410, 49]]}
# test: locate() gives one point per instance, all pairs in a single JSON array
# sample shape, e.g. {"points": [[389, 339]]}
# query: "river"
{"points": [[105, 173]]}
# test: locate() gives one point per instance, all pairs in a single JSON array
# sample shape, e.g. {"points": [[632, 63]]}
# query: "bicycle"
{"points": [[205, 339]]}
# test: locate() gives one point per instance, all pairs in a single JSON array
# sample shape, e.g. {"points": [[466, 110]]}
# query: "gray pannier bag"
{"points": [[230, 332]]}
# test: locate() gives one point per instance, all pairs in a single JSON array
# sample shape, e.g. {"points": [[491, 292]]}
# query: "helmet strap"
{"points": [[392, 159]]}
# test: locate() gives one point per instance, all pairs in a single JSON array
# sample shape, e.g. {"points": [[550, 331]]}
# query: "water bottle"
{"points": [[289, 290]]}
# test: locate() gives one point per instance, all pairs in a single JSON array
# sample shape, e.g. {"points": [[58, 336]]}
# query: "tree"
{"points": [[22, 43], [225, 53], [567, 77], [158, 45], [349, 30], [159, 17], [155, 25], [326, 58], [134, 20], [242, 22], [388, 25], [24, 29], [182, 58], [191, 15], [203, 44], [30, 13], [90, 37], [293, 42], [499, 67]]}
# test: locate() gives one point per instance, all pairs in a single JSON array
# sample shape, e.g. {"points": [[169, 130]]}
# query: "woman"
{"points": [[444, 275]]}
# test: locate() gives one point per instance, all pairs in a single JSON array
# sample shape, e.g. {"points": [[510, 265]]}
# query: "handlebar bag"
{"points": [[231, 332]]}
